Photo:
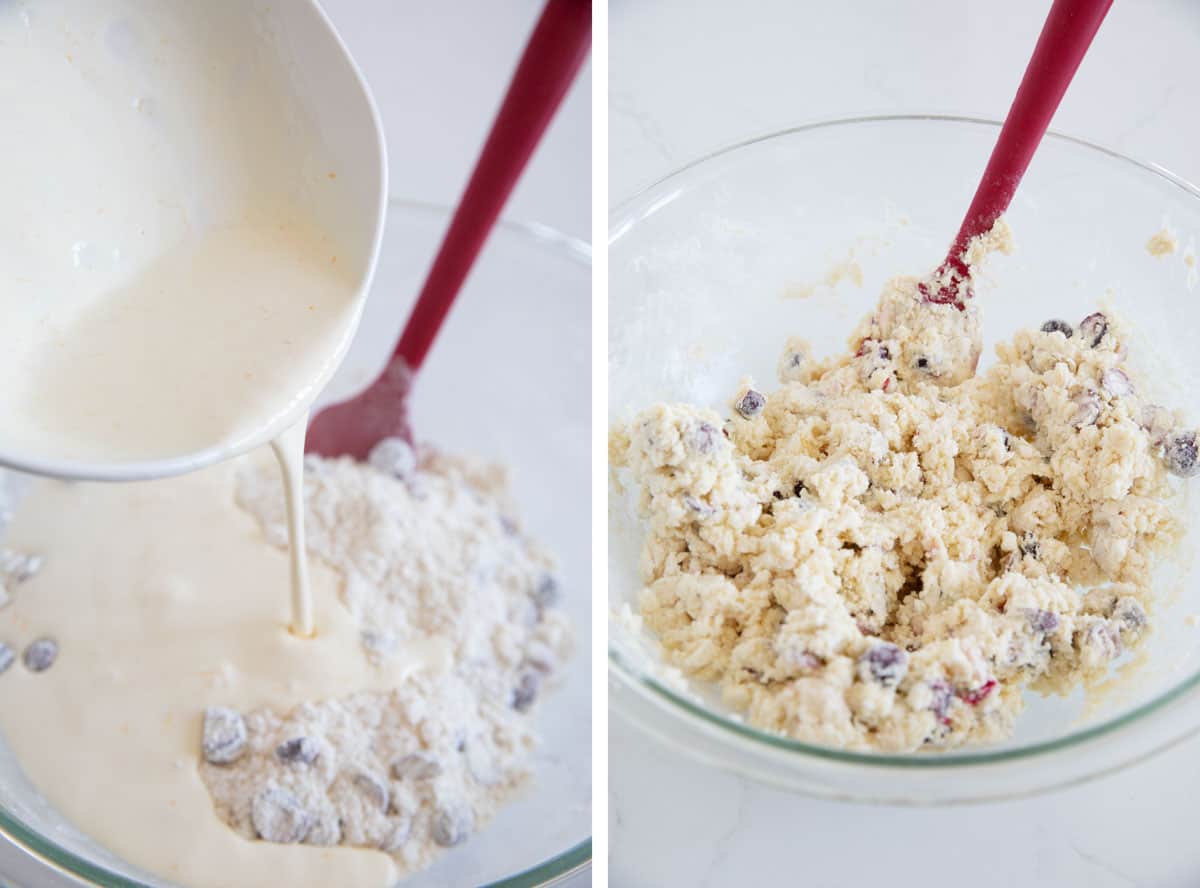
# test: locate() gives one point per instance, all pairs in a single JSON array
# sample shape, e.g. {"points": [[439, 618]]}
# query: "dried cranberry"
{"points": [[751, 404], [704, 437], [885, 663], [977, 695], [40, 655], [1180, 452], [1042, 621], [1116, 383], [1087, 409], [1057, 326], [1093, 329], [298, 750], [943, 695]]}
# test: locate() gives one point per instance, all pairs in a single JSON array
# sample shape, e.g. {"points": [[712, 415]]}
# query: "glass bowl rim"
{"points": [[554, 870], [620, 223]]}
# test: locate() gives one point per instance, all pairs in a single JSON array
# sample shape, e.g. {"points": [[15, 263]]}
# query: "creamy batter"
{"points": [[164, 285], [887, 550]]}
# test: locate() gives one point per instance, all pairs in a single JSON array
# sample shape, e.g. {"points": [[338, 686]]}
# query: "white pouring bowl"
{"points": [[331, 163]]}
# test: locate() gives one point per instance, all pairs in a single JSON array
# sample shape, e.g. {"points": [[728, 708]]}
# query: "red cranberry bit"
{"points": [[978, 695]]}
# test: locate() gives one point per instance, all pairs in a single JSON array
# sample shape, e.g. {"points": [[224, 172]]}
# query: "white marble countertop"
{"points": [[688, 76], [438, 72]]}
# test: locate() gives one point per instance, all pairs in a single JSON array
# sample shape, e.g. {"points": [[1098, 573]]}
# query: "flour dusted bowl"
{"points": [[794, 234]]}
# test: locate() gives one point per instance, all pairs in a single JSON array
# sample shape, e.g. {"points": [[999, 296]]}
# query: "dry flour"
{"points": [[429, 551]]}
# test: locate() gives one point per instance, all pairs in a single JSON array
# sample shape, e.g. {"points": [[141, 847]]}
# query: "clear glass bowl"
{"points": [[794, 233], [508, 379]]}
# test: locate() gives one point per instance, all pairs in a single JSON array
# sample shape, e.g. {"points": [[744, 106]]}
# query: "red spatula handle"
{"points": [[1065, 38], [552, 58]]}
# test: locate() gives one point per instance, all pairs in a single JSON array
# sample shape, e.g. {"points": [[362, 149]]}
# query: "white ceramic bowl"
{"points": [[705, 268], [330, 123], [508, 379]]}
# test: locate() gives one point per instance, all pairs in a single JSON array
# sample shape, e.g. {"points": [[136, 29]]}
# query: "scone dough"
{"points": [[884, 552]]}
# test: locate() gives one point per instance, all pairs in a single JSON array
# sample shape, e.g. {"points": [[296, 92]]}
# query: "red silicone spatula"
{"points": [[1065, 38], [552, 58]]}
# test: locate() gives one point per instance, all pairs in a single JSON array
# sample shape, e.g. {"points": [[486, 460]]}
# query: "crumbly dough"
{"points": [[886, 551], [1162, 243]]}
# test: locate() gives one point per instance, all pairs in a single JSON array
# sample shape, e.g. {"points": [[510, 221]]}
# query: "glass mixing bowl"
{"points": [[794, 234], [509, 380]]}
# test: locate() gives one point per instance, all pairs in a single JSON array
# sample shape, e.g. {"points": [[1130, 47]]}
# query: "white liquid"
{"points": [[289, 453], [164, 287], [187, 590]]}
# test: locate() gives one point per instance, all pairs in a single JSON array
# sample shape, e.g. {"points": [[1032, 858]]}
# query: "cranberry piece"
{"points": [[751, 404], [416, 766], [452, 825], [1180, 452], [1116, 383], [1087, 409], [373, 788], [1093, 329], [1057, 326], [224, 735], [40, 655], [1129, 614], [943, 696], [298, 750], [704, 438], [547, 592], [885, 663], [278, 816], [526, 691], [975, 696], [1042, 621]]}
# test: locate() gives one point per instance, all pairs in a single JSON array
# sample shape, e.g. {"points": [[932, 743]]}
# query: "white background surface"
{"points": [[688, 76], [438, 72]]}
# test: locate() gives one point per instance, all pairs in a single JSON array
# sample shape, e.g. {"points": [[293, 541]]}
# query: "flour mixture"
{"points": [[884, 552]]}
